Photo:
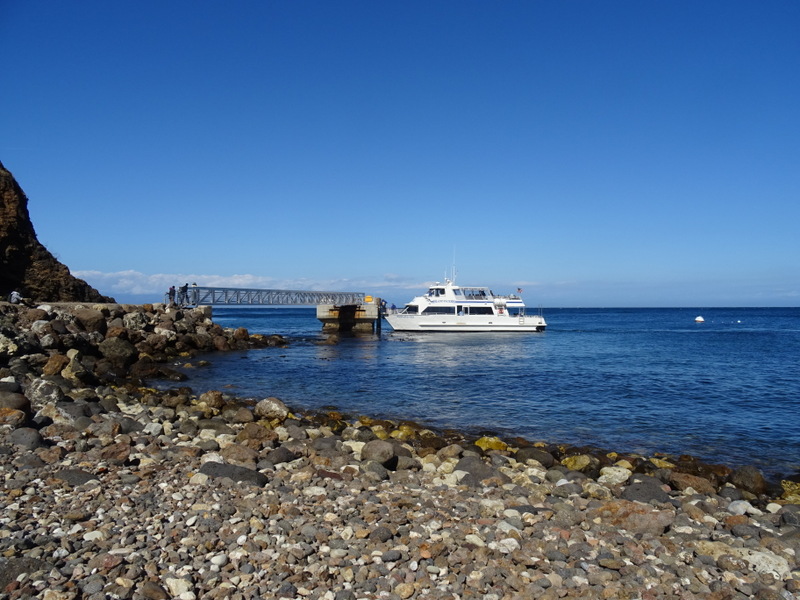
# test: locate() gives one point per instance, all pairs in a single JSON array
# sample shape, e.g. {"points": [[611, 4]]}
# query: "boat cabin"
{"points": [[449, 299]]}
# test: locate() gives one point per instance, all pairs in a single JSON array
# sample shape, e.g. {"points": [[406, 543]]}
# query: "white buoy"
{"points": [[699, 319]]}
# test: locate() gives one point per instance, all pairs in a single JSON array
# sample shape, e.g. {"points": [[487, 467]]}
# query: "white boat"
{"points": [[448, 307]]}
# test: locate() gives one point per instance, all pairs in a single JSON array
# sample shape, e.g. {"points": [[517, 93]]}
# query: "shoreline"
{"points": [[773, 470], [112, 489]]}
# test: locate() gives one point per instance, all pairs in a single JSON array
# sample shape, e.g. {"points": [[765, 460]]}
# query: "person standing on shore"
{"points": [[171, 294], [183, 295]]}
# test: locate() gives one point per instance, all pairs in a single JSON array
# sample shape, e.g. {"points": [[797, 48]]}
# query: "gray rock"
{"points": [[325, 443], [645, 489], [235, 473], [271, 408], [381, 534], [749, 479], [118, 351], [14, 400], [375, 469], [296, 432], [26, 437], [90, 319], [379, 451], [476, 467], [279, 455], [542, 456], [10, 386], [12, 568], [42, 391], [74, 477]]}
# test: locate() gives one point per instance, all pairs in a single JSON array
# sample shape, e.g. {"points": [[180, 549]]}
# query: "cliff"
{"points": [[25, 264]]}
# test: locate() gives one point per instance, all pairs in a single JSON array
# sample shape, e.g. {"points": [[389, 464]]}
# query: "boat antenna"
{"points": [[453, 279]]}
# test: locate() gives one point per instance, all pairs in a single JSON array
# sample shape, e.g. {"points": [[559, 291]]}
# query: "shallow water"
{"points": [[642, 380]]}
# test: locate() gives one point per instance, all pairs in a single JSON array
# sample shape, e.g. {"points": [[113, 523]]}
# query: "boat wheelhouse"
{"points": [[448, 307]]}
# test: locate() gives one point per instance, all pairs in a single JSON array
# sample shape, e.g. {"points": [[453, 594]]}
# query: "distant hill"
{"points": [[25, 264]]}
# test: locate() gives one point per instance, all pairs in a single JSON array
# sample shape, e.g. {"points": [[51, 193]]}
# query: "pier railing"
{"points": [[218, 295]]}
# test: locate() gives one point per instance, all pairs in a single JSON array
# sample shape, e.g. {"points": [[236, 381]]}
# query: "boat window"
{"points": [[481, 310], [439, 310], [474, 293], [411, 309], [457, 292]]}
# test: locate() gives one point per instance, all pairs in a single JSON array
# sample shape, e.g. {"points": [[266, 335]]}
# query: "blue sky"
{"points": [[619, 153]]}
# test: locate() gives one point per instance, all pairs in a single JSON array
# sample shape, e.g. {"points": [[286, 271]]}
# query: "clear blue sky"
{"points": [[619, 153]]}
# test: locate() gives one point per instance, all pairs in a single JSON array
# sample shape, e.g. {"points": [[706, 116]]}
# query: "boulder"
{"points": [[26, 437], [55, 364], [271, 408], [614, 475], [581, 462], [633, 517], [118, 351], [645, 489], [14, 400], [749, 479], [477, 469], [684, 481], [235, 473], [43, 391], [380, 451], [281, 454], [239, 454], [91, 320], [541, 456], [212, 399], [12, 417]]}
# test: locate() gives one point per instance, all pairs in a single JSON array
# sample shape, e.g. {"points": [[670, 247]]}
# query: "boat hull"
{"points": [[474, 323]]}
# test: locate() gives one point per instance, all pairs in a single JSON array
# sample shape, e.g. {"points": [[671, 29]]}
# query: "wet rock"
{"points": [[684, 481], [118, 351], [750, 479], [532, 453]]}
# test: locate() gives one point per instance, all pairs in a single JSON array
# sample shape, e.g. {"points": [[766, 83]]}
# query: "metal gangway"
{"points": [[197, 296]]}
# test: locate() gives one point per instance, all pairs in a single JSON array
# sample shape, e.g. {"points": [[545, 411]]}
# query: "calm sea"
{"points": [[637, 380]]}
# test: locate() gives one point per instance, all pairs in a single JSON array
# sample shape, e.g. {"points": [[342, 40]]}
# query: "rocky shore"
{"points": [[113, 489]]}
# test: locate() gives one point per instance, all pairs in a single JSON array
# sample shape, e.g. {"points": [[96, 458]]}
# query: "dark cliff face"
{"points": [[25, 264]]}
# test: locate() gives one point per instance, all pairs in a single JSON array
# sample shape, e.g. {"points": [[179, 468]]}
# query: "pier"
{"points": [[338, 311]]}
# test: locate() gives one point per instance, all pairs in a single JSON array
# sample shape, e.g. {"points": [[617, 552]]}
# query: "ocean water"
{"points": [[635, 380]]}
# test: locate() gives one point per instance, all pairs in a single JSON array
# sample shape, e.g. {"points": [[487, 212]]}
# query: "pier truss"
{"points": [[218, 295]]}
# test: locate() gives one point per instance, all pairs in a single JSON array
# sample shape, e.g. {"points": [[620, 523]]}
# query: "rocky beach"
{"points": [[112, 488]]}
